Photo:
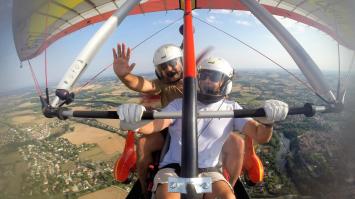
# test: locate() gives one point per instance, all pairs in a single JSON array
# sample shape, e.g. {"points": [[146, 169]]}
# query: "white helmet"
{"points": [[166, 53], [220, 65]]}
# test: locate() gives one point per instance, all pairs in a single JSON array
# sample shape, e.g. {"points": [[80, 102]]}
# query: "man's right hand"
{"points": [[130, 116], [275, 110], [121, 61], [130, 113]]}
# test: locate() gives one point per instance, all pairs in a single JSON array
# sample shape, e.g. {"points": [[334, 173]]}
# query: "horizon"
{"points": [[244, 25], [52, 85]]}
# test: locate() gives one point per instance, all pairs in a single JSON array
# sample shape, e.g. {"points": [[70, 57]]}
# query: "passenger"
{"points": [[169, 85], [214, 82]]}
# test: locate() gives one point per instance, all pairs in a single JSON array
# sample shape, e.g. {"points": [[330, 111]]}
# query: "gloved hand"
{"points": [[130, 116], [275, 110]]}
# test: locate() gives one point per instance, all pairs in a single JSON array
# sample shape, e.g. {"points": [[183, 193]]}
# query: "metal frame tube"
{"points": [[189, 150], [307, 109], [89, 51], [299, 55]]}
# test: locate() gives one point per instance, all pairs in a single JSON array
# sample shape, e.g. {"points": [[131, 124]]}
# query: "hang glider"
{"points": [[39, 23]]}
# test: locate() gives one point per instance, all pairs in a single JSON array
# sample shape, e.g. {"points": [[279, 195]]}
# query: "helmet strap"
{"points": [[208, 99], [223, 88], [158, 74]]}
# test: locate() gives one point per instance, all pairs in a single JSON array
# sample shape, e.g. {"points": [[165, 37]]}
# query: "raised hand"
{"points": [[121, 58]]}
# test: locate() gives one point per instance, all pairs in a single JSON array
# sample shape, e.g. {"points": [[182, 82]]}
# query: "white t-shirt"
{"points": [[212, 132]]}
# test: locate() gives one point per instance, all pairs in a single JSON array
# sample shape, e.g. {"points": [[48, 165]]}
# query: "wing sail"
{"points": [[39, 23]]}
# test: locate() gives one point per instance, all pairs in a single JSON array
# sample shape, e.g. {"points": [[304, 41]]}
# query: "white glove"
{"points": [[130, 116], [275, 110]]}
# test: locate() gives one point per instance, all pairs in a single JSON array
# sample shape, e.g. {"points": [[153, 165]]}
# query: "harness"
{"points": [[177, 168]]}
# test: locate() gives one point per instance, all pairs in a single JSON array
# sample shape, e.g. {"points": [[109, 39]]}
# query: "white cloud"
{"points": [[291, 25], [243, 22], [165, 21], [211, 19], [221, 11], [240, 13]]}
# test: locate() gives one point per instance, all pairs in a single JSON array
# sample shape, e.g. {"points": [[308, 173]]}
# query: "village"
{"points": [[56, 157]]}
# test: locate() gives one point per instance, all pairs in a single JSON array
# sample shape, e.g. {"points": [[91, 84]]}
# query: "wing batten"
{"points": [[69, 16], [29, 48]]}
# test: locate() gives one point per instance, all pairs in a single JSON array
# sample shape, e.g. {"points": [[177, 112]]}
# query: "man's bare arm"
{"points": [[139, 84], [123, 70]]}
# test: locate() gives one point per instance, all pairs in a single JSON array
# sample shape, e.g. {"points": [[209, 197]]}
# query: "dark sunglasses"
{"points": [[165, 65], [213, 76]]}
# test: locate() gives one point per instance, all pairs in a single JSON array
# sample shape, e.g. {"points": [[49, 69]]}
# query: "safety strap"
{"points": [[177, 168]]}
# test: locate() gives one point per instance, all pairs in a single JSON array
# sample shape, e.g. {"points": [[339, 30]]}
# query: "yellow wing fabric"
{"points": [[38, 23]]}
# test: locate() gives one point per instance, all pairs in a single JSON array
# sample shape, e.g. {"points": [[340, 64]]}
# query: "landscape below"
{"points": [[42, 158]]}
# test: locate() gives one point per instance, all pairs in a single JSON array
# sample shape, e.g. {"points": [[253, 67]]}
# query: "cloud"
{"points": [[165, 22], [256, 21], [291, 25], [237, 13], [245, 18], [221, 11], [242, 13], [243, 22], [211, 19]]}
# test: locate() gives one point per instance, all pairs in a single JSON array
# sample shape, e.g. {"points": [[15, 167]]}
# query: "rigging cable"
{"points": [[262, 54], [45, 54], [338, 45], [46, 74], [144, 40], [92, 79], [37, 87], [338, 87], [348, 74]]}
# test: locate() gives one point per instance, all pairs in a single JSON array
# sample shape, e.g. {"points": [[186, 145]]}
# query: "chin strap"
{"points": [[208, 99]]}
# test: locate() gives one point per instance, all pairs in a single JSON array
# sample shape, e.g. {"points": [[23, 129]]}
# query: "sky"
{"points": [[134, 29]]}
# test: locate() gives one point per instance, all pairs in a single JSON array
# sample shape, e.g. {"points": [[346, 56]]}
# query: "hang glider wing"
{"points": [[39, 23]]}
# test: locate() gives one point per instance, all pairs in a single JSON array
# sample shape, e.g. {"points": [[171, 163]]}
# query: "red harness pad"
{"points": [[127, 162], [252, 164]]}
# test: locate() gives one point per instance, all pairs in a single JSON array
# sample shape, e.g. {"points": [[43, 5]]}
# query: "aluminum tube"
{"points": [[178, 114], [91, 48], [299, 55], [67, 113], [308, 110]]}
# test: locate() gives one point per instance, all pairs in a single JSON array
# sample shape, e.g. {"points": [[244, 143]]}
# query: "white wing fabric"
{"points": [[39, 23]]}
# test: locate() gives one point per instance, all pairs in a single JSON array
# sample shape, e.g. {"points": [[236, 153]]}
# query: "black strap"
{"points": [[174, 166], [209, 169], [177, 168]]}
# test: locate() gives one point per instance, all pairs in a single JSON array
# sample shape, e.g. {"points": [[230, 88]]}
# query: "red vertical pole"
{"points": [[189, 150], [189, 46]]}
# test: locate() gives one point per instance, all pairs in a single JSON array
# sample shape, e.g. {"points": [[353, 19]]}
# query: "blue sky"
{"points": [[134, 29]]}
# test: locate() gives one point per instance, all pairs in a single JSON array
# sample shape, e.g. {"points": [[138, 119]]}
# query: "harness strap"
{"points": [[174, 166], [177, 168]]}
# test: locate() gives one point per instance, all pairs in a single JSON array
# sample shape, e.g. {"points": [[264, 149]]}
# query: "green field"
{"points": [[96, 154], [13, 170]]}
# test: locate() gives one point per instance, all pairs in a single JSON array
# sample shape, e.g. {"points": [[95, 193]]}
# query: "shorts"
{"points": [[163, 174]]}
